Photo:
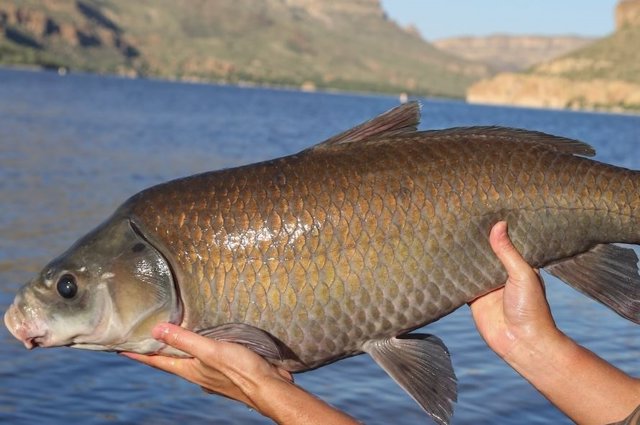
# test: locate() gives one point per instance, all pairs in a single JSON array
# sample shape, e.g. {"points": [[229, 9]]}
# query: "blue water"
{"points": [[73, 148]]}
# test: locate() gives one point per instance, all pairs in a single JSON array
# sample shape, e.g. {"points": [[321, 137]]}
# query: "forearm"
{"points": [[288, 404], [582, 385]]}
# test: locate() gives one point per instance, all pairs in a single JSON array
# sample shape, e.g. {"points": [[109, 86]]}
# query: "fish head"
{"points": [[105, 293]]}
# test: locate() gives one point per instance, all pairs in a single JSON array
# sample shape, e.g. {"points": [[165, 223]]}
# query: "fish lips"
{"points": [[31, 333]]}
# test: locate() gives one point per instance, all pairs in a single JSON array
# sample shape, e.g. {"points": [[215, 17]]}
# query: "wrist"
{"points": [[583, 386], [533, 336], [266, 393], [286, 404], [542, 358]]}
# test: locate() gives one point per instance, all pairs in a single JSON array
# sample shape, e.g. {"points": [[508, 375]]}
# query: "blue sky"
{"points": [[445, 18]]}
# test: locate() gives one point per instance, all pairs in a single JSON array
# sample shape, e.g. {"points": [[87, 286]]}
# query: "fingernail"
{"points": [[160, 331]]}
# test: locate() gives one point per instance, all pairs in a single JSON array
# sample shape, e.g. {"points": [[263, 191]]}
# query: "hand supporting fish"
{"points": [[516, 323], [343, 248], [238, 373]]}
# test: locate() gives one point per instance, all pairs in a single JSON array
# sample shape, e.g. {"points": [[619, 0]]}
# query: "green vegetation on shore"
{"points": [[615, 57], [342, 44]]}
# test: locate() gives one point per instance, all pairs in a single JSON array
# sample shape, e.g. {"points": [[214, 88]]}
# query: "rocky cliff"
{"points": [[627, 13], [343, 44], [556, 92], [64, 34], [601, 75], [511, 53]]}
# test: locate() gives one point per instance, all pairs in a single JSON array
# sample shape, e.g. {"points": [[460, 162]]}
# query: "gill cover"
{"points": [[105, 293]]}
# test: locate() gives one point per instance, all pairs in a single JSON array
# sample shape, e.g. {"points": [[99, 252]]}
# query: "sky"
{"points": [[437, 19]]}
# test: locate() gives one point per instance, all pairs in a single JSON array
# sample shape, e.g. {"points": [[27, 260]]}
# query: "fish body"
{"points": [[332, 248], [348, 246]]}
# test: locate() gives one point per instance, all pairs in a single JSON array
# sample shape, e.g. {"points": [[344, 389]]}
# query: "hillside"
{"points": [[505, 52], [342, 44], [601, 75]]}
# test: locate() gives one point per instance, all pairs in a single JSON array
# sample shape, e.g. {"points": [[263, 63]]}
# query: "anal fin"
{"points": [[607, 273], [421, 365]]}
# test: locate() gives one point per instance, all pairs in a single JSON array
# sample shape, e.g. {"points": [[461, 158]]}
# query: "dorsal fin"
{"points": [[517, 135], [402, 119]]}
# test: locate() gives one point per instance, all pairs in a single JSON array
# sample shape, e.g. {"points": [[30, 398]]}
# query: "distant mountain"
{"points": [[601, 75], [341, 44], [505, 52]]}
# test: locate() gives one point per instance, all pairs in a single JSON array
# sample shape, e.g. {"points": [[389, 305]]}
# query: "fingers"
{"points": [[180, 338], [168, 364], [517, 268], [225, 357], [177, 337], [285, 374]]}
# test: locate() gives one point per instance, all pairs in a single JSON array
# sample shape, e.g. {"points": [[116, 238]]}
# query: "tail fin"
{"points": [[607, 273]]}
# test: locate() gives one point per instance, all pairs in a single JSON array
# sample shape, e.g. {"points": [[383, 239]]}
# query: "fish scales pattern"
{"points": [[328, 249]]}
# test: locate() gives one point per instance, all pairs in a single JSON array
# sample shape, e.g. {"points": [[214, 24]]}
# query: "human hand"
{"points": [[219, 367], [518, 312], [236, 372], [516, 323]]}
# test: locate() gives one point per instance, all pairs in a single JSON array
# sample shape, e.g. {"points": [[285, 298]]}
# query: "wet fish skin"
{"points": [[344, 248], [332, 247]]}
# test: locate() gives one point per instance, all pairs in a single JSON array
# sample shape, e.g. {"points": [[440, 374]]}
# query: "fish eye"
{"points": [[67, 287]]}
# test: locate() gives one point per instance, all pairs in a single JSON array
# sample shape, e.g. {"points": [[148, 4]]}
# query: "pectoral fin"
{"points": [[420, 364], [606, 273], [251, 337]]}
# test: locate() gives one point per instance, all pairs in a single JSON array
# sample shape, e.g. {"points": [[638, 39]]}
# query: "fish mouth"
{"points": [[34, 341], [30, 334]]}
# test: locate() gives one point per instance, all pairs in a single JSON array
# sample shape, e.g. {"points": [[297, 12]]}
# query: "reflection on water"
{"points": [[73, 148]]}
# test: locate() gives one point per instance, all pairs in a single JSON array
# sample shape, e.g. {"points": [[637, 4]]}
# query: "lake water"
{"points": [[73, 148]]}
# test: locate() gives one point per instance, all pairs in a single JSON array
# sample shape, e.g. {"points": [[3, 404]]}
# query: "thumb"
{"points": [[517, 268]]}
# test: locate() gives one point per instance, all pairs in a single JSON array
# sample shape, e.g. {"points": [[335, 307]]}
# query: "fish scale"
{"points": [[344, 248], [377, 275]]}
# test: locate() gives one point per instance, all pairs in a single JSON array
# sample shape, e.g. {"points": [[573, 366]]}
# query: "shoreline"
{"points": [[246, 84], [400, 96]]}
